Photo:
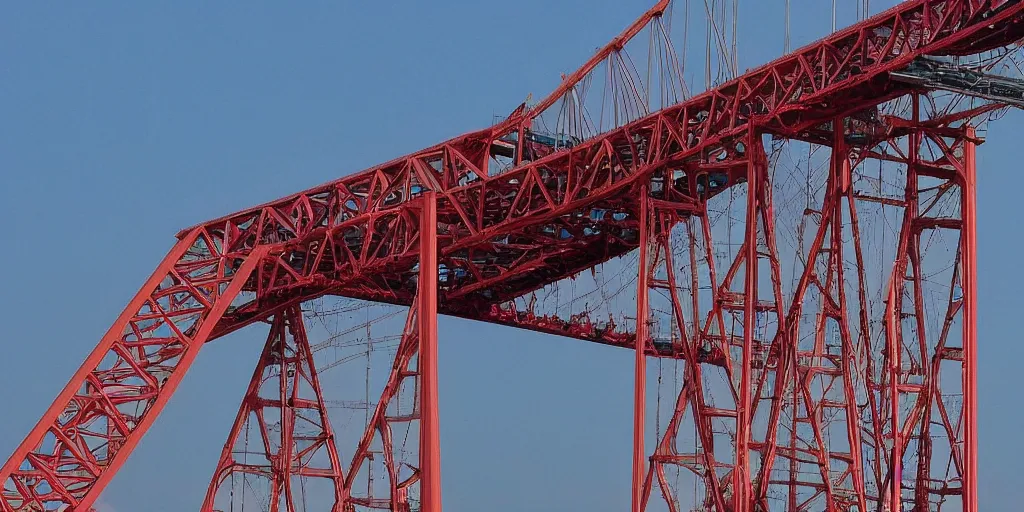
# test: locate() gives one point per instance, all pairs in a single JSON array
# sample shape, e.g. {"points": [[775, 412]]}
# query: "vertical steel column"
{"points": [[894, 309], [282, 479], [430, 442], [970, 323], [894, 362], [640, 376], [843, 176], [741, 476]]}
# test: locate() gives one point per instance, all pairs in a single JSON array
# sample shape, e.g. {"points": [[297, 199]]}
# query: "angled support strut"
{"points": [[117, 394]]}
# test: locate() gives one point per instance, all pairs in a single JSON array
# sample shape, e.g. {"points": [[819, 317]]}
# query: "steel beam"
{"points": [[430, 439]]}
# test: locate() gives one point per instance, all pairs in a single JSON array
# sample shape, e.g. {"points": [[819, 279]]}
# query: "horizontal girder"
{"points": [[504, 235]]}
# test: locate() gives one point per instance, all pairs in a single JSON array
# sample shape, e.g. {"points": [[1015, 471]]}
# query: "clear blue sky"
{"points": [[121, 123]]}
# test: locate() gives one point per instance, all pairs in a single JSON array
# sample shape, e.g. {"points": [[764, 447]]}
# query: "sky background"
{"points": [[122, 123]]}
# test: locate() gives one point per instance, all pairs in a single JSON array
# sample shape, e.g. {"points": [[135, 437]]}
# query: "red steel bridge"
{"points": [[823, 365]]}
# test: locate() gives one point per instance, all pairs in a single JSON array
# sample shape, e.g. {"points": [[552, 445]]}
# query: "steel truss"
{"points": [[284, 412], [892, 411], [833, 424]]}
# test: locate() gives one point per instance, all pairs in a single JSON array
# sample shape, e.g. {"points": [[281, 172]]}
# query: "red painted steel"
{"points": [[640, 363], [289, 427], [756, 179], [430, 435], [96, 421], [405, 372], [382, 235], [970, 319]]}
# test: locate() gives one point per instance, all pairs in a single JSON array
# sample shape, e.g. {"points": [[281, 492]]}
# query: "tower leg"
{"points": [[640, 364], [741, 473], [970, 323], [929, 438], [281, 437], [430, 439], [728, 336], [413, 375]]}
